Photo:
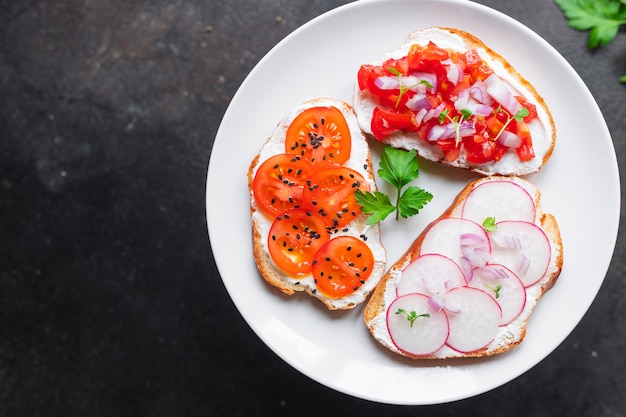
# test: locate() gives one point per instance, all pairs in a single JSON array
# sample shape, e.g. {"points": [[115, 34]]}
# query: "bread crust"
{"points": [[375, 310], [267, 268], [544, 137]]}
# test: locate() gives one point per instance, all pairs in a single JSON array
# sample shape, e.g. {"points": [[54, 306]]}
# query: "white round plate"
{"points": [[321, 58]]}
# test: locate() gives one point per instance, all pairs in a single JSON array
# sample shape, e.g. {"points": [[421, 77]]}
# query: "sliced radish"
{"points": [[476, 322], [430, 274], [531, 258], [414, 327], [503, 200], [462, 240], [504, 286]]}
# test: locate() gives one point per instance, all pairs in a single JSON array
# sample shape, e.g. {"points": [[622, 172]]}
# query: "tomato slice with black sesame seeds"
{"points": [[330, 192], [279, 182], [294, 238], [342, 265], [320, 135]]}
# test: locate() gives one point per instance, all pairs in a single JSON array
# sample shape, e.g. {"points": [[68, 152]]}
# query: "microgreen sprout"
{"points": [[403, 88], [489, 224], [495, 289], [519, 116], [411, 316], [456, 121]]}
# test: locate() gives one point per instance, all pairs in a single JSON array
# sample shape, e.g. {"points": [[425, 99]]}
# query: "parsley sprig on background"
{"points": [[602, 18], [398, 167]]}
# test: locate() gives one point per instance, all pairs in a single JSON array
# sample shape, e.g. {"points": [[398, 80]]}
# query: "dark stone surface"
{"points": [[111, 304]]}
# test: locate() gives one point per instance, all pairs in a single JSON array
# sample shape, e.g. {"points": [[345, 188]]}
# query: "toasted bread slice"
{"points": [[542, 129], [360, 160], [503, 255]]}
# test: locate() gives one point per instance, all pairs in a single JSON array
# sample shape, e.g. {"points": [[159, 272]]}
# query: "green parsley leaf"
{"points": [[623, 79], [377, 205], [602, 18], [413, 200], [397, 167]]}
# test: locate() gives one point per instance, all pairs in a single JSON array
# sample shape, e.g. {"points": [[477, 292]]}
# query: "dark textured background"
{"points": [[110, 302]]}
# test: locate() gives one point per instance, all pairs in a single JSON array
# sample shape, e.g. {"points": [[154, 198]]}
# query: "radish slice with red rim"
{"points": [[531, 260], [476, 322], [415, 328], [504, 287], [459, 239], [503, 200], [430, 274]]}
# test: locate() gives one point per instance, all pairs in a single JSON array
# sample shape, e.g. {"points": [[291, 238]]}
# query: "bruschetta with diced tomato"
{"points": [[446, 94]]}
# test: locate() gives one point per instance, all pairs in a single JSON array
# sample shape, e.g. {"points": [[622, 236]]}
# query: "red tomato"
{"points": [[525, 151], [532, 109], [279, 182], [385, 122], [320, 135], [342, 265], [449, 148], [330, 192], [294, 239]]}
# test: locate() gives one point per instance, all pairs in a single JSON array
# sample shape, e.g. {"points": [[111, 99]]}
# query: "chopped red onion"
{"points": [[478, 91], [501, 93], [418, 102], [435, 302], [509, 139], [453, 72], [466, 267], [522, 264], [507, 241]]}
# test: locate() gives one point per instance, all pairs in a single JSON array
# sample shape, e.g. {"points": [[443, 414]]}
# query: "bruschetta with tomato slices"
{"points": [[470, 281], [308, 232], [453, 99]]}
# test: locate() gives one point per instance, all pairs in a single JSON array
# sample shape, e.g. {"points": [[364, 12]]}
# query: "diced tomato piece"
{"points": [[386, 122], [401, 65], [532, 109], [525, 151], [449, 148], [494, 126]]}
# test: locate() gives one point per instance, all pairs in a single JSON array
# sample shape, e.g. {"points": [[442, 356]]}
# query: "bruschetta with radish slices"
{"points": [[446, 94], [470, 281], [308, 232]]}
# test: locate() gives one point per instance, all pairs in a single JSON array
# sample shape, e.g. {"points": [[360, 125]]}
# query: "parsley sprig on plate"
{"points": [[397, 167], [602, 18]]}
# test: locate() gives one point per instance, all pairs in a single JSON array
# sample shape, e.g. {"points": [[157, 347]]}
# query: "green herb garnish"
{"points": [[519, 116], [602, 18], [489, 224], [412, 316], [397, 167], [456, 121], [495, 289], [404, 89]]}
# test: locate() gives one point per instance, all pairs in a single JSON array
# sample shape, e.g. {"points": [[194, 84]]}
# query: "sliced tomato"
{"points": [[294, 239], [320, 135], [387, 121], [330, 192], [279, 182], [342, 265]]}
